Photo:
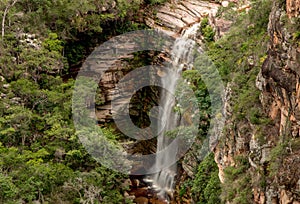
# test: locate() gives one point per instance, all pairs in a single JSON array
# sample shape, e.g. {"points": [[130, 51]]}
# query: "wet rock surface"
{"points": [[141, 193]]}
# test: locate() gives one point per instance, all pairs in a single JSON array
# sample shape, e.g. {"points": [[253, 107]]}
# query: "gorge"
{"points": [[245, 151]]}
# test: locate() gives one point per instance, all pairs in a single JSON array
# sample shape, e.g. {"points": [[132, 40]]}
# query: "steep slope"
{"points": [[259, 154]]}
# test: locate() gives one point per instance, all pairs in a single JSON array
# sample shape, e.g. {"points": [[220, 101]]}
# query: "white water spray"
{"points": [[182, 59]]}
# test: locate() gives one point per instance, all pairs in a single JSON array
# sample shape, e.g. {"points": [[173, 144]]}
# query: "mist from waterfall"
{"points": [[182, 59]]}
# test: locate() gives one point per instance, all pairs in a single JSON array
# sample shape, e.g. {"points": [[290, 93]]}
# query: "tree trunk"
{"points": [[8, 6]]}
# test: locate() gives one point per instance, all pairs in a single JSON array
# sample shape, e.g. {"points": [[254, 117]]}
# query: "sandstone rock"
{"points": [[188, 167], [59, 153], [293, 8], [6, 86], [280, 98], [260, 81], [170, 21], [172, 18], [157, 201], [135, 183], [141, 200], [265, 155], [225, 3], [222, 26], [127, 182], [130, 197], [285, 197], [177, 16], [271, 196], [139, 192], [2, 95], [16, 100]]}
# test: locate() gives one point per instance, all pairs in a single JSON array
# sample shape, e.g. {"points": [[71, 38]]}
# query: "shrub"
{"points": [[206, 185], [206, 30], [237, 185]]}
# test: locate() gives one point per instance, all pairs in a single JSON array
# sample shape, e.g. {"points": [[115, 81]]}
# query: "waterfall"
{"points": [[182, 59]]}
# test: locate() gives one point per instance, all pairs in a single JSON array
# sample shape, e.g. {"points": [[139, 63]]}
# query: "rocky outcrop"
{"points": [[280, 98], [174, 17], [280, 72], [292, 8], [279, 83], [177, 16]]}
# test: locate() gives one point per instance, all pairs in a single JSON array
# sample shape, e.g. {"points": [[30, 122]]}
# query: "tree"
{"points": [[7, 8]]}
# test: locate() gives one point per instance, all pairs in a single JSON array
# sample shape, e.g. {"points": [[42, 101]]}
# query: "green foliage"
{"points": [[259, 14], [31, 176], [296, 37], [40, 152], [75, 52], [155, 2], [227, 13], [41, 158], [203, 98], [204, 23], [79, 24], [237, 185], [98, 186], [239, 59], [206, 185], [206, 30], [185, 187], [8, 190], [230, 53], [129, 25], [213, 190], [276, 157], [52, 43]]}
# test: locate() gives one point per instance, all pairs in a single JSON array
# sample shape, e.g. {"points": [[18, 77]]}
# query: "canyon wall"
{"points": [[272, 150], [268, 155]]}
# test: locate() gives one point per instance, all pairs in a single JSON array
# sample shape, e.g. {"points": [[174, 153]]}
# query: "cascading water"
{"points": [[182, 58]]}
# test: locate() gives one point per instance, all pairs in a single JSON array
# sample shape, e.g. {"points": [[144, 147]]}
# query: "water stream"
{"points": [[182, 58]]}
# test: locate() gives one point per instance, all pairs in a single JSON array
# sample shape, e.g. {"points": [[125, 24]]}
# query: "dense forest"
{"points": [[43, 46]]}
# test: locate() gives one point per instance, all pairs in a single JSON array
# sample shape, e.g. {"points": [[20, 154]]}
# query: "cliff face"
{"points": [[272, 151], [280, 96], [265, 157], [281, 70]]}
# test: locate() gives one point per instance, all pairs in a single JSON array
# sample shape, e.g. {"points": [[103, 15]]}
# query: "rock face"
{"points": [[281, 71], [174, 17], [281, 96], [177, 16], [293, 8], [279, 84]]}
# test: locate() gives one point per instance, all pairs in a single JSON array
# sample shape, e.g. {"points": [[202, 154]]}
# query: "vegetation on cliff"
{"points": [[44, 42], [41, 158], [254, 155]]}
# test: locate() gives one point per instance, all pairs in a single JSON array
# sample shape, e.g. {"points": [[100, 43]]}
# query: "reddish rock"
{"points": [[139, 192], [141, 200], [157, 201]]}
